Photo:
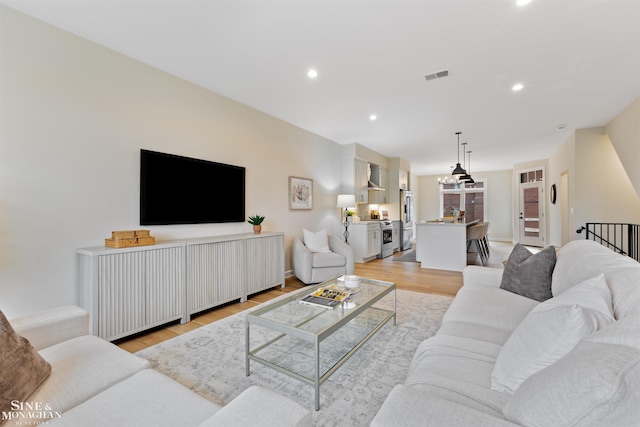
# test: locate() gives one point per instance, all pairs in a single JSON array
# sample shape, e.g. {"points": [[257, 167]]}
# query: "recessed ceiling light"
{"points": [[517, 87], [522, 2], [312, 74], [373, 117]]}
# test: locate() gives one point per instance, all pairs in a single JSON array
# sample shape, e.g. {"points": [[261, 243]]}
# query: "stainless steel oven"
{"points": [[387, 239]]}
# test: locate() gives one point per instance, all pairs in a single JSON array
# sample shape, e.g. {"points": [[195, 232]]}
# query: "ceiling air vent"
{"points": [[437, 75]]}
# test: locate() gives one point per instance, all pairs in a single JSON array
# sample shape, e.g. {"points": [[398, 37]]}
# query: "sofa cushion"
{"points": [[551, 331], [594, 385], [83, 367], [22, 369], [407, 407], [485, 306], [529, 274], [624, 284], [148, 398], [580, 260], [260, 407], [52, 326], [473, 330], [624, 332], [461, 366], [327, 259], [316, 241]]}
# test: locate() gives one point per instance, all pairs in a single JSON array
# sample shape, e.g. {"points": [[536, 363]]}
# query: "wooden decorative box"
{"points": [[129, 238], [129, 234]]}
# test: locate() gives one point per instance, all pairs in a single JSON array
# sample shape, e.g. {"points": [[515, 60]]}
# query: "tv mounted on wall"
{"points": [[183, 190]]}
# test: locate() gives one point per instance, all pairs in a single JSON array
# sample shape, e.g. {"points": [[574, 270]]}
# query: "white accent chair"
{"points": [[315, 267]]}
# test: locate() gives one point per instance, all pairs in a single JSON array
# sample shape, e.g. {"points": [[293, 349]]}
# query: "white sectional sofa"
{"points": [[95, 383], [588, 361]]}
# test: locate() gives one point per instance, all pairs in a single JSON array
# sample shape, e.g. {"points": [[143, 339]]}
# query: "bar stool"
{"points": [[476, 234], [485, 239]]}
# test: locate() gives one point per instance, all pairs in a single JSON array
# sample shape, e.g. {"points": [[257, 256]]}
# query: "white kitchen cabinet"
{"points": [[361, 180], [374, 237], [396, 234], [403, 179], [365, 239]]}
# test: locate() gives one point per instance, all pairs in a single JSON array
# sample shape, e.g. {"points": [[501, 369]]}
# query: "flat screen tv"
{"points": [[183, 190]]}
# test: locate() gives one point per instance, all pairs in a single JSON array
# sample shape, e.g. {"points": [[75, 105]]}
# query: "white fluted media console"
{"points": [[133, 289]]}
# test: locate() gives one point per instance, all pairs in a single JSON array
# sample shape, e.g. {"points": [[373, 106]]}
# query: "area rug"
{"points": [[211, 361]]}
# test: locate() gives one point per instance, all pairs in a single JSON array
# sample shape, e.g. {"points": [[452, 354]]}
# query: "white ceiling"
{"points": [[579, 61]]}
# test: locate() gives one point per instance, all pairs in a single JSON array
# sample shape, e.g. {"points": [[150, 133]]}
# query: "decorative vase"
{"points": [[257, 229]]}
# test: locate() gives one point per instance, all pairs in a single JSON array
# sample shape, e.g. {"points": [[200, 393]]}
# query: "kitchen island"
{"points": [[442, 245]]}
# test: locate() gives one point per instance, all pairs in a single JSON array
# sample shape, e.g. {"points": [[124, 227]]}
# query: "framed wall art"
{"points": [[300, 193]]}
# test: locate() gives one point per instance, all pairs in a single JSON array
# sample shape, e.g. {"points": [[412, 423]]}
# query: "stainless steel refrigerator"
{"points": [[406, 216]]}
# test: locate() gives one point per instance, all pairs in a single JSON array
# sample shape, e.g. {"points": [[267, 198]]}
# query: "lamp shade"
{"points": [[458, 171], [346, 200]]}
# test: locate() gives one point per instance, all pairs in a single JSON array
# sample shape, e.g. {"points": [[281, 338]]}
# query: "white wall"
{"points": [[498, 200], [73, 118]]}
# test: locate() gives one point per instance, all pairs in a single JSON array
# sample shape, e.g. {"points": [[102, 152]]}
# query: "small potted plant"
{"points": [[350, 214], [256, 221]]}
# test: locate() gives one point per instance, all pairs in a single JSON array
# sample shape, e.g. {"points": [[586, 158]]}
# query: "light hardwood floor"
{"points": [[407, 275]]}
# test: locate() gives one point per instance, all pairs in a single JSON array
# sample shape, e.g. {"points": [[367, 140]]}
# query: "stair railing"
{"points": [[621, 238]]}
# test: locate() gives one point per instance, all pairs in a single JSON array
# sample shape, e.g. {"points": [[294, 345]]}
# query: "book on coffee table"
{"points": [[328, 297]]}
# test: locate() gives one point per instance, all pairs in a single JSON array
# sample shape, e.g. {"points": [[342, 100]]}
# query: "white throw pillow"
{"points": [[316, 242], [550, 331], [593, 293], [594, 385]]}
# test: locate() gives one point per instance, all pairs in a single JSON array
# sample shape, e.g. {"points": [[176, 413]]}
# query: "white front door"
{"points": [[531, 216]]}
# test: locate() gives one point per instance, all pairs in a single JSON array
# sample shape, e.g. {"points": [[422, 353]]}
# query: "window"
{"points": [[466, 197], [531, 176]]}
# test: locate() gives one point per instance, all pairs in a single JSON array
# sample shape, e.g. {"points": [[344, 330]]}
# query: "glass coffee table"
{"points": [[310, 343]]}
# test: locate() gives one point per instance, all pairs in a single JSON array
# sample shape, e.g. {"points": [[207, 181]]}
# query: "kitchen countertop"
{"points": [[449, 223]]}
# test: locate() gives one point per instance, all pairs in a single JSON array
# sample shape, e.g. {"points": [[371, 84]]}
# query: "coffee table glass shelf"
{"points": [[310, 343]]}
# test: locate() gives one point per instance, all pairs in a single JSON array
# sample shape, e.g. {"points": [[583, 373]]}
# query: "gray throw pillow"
{"points": [[529, 274]]}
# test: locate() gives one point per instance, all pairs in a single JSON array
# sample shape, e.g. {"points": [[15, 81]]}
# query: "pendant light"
{"points": [[470, 180], [466, 177], [458, 171]]}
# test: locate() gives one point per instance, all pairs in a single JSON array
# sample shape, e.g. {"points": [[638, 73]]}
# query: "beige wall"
{"points": [[499, 201], [599, 184], [74, 116], [624, 133], [603, 191], [562, 162]]}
